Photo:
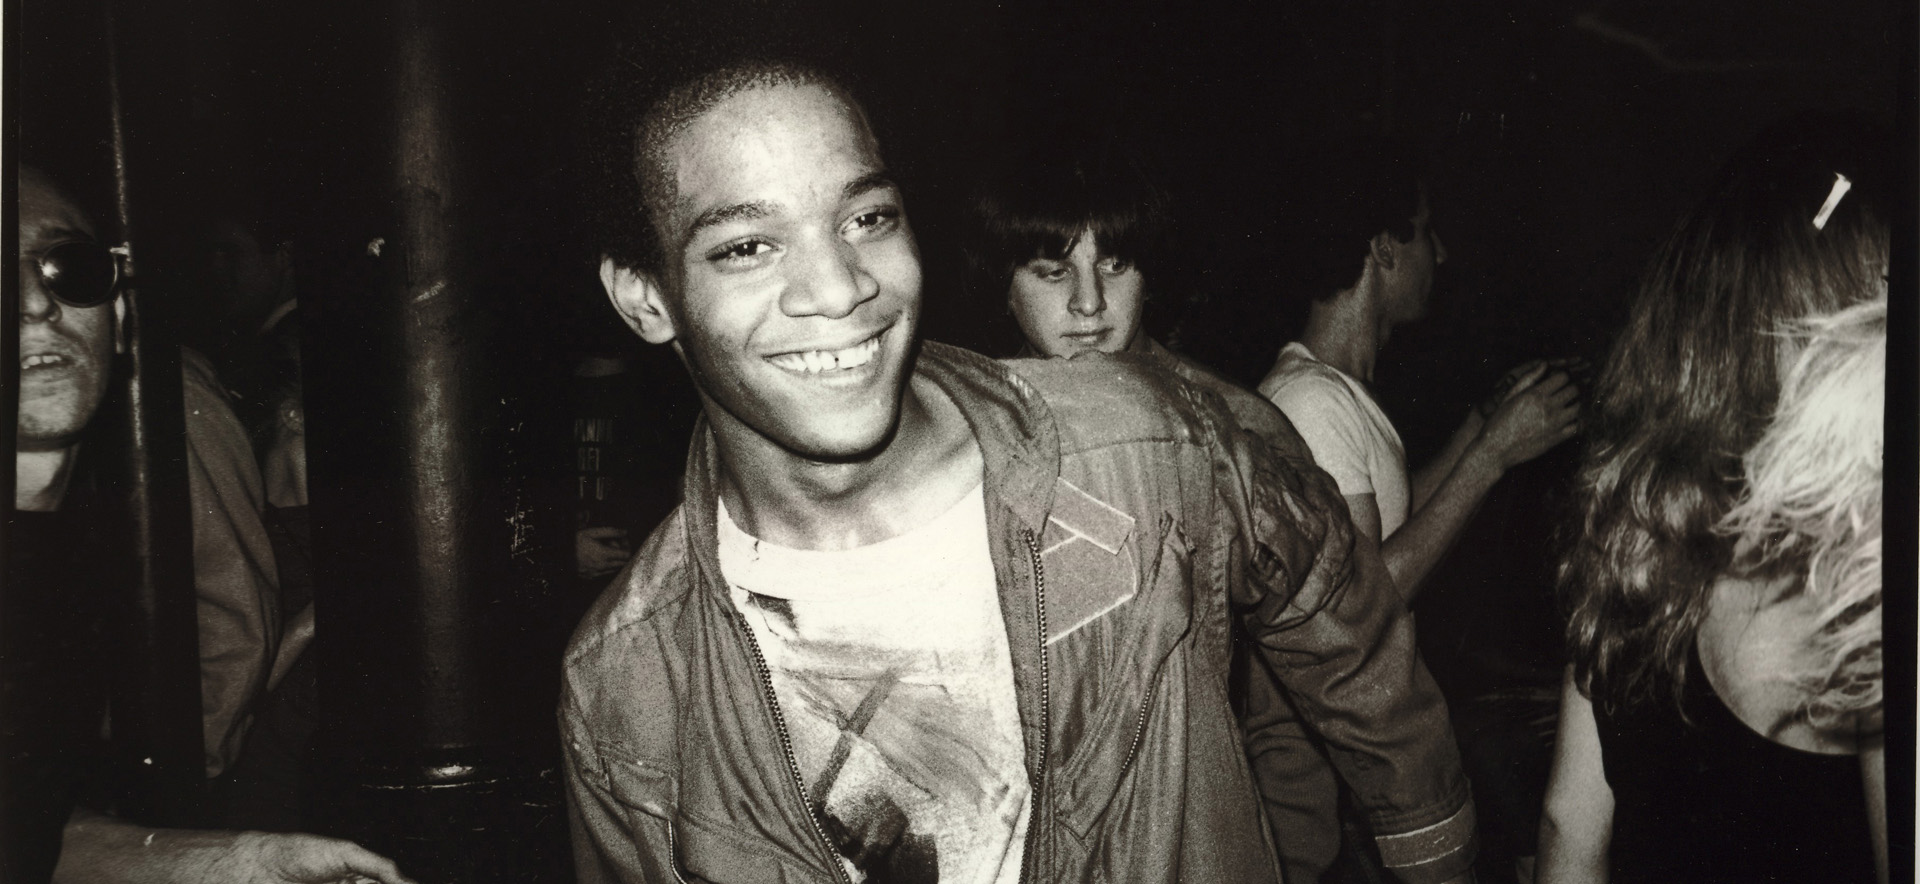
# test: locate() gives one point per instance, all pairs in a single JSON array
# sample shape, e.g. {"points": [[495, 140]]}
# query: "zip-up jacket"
{"points": [[1129, 517], [1273, 726]]}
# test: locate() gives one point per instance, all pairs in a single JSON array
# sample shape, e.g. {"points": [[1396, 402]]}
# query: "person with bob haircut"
{"points": [[1068, 235], [1071, 237], [1721, 717]]}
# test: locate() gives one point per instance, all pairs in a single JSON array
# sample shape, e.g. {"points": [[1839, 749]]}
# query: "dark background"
{"points": [[1565, 139]]}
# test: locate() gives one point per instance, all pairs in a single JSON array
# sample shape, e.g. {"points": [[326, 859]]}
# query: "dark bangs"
{"points": [[1044, 210]]}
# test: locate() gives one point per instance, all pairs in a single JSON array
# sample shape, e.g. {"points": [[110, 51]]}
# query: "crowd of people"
{"points": [[1084, 611]]}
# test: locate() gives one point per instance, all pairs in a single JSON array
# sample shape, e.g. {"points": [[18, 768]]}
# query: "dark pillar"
{"points": [[428, 750], [156, 721]]}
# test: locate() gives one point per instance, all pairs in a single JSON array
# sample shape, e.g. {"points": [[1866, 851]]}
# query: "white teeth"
{"points": [[816, 361], [858, 355], [39, 359]]}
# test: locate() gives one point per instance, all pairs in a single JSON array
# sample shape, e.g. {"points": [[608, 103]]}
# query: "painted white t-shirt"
{"points": [[1349, 435], [891, 668]]}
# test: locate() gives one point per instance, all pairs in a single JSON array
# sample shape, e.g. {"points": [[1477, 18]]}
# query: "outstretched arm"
{"points": [[1540, 412], [1427, 479], [1577, 822], [99, 849]]}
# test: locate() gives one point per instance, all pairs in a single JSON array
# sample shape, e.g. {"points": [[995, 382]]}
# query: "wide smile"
{"points": [[830, 363]]}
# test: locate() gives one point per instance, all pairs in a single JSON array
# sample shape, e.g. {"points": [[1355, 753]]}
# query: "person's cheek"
{"points": [[896, 265]]}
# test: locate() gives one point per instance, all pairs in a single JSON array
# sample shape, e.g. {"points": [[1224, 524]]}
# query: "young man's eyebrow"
{"points": [[874, 180], [750, 211], [723, 214]]}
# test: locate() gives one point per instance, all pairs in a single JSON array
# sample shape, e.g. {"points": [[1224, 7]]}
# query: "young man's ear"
{"points": [[1384, 250], [640, 300]]}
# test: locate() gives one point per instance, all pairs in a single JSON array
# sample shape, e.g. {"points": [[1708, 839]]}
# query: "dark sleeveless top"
{"points": [[1711, 800]]}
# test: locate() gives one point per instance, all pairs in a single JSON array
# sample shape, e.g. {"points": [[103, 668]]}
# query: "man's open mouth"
{"points": [[43, 360], [816, 361]]}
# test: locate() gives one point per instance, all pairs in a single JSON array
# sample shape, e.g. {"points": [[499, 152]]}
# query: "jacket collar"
{"points": [[1011, 423]]}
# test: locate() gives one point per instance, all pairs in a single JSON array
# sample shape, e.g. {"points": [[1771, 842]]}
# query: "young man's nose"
{"points": [[1089, 296], [1439, 248], [832, 282]]}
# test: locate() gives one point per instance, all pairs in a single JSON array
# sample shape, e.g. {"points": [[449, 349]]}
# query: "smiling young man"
{"points": [[923, 616]]}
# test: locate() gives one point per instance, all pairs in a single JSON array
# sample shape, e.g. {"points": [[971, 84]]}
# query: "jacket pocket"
{"points": [[699, 850], [706, 853], [638, 785], [1149, 629]]}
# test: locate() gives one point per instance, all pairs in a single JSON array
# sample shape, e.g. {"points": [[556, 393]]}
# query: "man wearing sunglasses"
{"points": [[53, 643], [68, 314]]}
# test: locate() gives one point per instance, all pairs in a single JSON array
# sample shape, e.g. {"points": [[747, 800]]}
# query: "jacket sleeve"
{"points": [[1323, 614], [612, 841], [235, 578]]}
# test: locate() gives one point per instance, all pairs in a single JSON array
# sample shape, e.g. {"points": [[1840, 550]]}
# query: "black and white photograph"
{"points": [[959, 442]]}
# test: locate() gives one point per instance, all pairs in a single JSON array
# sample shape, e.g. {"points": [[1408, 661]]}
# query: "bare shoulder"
{"points": [[1755, 643]]}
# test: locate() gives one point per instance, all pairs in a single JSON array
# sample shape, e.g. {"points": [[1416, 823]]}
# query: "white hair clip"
{"points": [[1840, 187]]}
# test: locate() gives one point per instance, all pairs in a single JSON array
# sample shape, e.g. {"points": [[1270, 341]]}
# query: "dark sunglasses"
{"points": [[80, 274]]}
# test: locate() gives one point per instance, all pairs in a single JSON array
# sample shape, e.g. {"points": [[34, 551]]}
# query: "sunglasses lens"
{"points": [[82, 274]]}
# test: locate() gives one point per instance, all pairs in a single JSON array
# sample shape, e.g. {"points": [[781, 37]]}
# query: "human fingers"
{"points": [[357, 863], [1527, 379], [1504, 384], [1515, 372], [1551, 382], [368, 864]]}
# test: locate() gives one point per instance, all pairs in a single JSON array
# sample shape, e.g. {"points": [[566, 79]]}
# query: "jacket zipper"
{"points": [[1140, 727], [786, 746], [673, 853], [1038, 779]]}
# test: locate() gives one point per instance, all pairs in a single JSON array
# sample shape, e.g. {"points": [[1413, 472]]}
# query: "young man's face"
{"points": [[247, 276], [1081, 303], [794, 283], [1411, 288], [66, 352]]}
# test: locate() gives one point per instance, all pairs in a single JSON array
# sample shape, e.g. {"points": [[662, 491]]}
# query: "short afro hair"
{"points": [[650, 91]]}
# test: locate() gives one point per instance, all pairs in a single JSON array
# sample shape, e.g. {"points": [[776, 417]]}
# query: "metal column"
{"points": [[428, 752], [156, 724]]}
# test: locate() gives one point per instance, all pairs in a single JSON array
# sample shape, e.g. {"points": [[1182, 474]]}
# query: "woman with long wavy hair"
{"points": [[1721, 719]]}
